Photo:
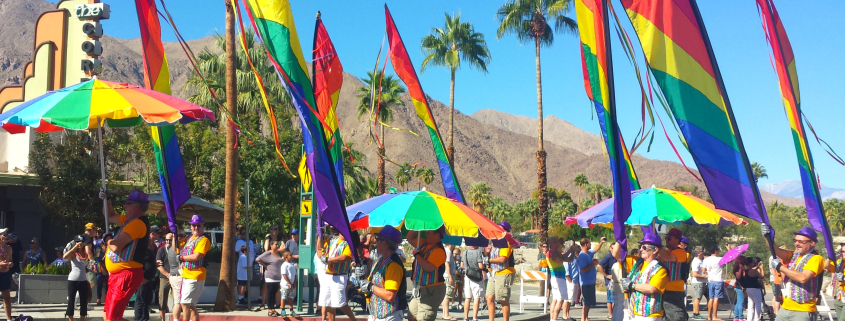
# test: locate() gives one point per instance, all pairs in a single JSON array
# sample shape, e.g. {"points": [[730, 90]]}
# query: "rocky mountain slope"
{"points": [[491, 146]]}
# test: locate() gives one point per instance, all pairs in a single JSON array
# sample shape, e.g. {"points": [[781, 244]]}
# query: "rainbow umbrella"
{"points": [[425, 211], [95, 102], [659, 205], [86, 105]]}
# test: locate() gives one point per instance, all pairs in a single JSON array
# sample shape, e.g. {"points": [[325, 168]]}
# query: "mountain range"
{"points": [[794, 188], [490, 146]]}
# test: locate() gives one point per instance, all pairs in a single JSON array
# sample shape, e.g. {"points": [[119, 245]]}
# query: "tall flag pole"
{"points": [[675, 43], [273, 22], [405, 70], [328, 78], [597, 64], [784, 63], [171, 170]]}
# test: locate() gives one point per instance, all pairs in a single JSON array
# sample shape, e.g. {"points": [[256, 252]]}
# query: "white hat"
{"points": [[3, 230]]}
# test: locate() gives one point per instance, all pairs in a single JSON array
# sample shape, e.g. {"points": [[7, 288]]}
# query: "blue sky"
{"points": [[357, 29]]}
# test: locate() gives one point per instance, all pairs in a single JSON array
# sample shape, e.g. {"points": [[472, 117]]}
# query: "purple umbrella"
{"points": [[732, 254]]}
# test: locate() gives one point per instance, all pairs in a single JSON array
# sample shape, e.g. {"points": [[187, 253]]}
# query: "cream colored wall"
{"points": [[75, 38], [15, 148]]}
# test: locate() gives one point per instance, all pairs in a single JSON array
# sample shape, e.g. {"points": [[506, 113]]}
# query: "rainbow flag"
{"points": [[405, 70], [784, 63], [597, 65], [171, 170], [675, 42], [273, 22], [328, 78]]}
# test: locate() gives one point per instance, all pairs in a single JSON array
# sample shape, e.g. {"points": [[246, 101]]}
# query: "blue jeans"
{"points": [[740, 301]]}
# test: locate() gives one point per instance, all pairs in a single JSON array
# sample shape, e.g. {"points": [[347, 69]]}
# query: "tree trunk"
{"points": [[451, 150], [542, 206], [381, 165], [225, 289]]}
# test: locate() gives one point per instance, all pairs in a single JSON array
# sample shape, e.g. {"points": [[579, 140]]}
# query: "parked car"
{"points": [[215, 236]]}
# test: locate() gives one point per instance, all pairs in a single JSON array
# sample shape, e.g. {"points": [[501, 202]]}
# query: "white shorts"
{"points": [[191, 291], [558, 290], [333, 291], [472, 289], [176, 288], [573, 291]]}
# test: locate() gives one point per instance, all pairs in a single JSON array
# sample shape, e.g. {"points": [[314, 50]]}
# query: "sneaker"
{"points": [[293, 314], [284, 314], [698, 317]]}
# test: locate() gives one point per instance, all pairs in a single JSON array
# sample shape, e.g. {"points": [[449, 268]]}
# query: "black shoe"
{"points": [[242, 301]]}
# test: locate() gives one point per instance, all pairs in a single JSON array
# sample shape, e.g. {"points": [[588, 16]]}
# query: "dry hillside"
{"points": [[491, 146]]}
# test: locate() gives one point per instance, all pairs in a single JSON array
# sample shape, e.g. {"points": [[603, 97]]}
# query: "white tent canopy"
{"points": [[194, 205]]}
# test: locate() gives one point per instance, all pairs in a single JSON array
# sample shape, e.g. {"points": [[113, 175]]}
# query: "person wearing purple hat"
{"points": [[802, 274], [193, 268], [126, 253], [387, 279], [676, 261], [646, 282], [499, 287]]}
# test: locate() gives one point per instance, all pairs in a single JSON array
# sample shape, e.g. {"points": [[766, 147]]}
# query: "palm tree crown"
{"points": [[759, 171], [528, 20], [447, 47], [391, 91], [457, 41]]}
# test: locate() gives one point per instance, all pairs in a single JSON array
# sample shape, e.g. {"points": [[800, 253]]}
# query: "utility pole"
{"points": [[225, 289]]}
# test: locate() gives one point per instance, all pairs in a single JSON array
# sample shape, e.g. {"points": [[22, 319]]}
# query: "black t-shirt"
{"points": [[161, 255], [607, 263], [150, 263]]}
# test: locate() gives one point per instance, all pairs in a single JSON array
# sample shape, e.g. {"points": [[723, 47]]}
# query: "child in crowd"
{"points": [[243, 269], [288, 283]]}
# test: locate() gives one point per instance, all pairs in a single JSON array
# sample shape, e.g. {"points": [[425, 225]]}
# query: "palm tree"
{"points": [[446, 47], [759, 171], [479, 196], [403, 175], [427, 176], [250, 108], [355, 174], [581, 181], [391, 90], [529, 20]]}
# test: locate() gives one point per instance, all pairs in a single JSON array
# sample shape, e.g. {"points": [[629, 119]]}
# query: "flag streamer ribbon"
{"points": [[405, 70], [785, 67], [681, 60], [261, 88]]}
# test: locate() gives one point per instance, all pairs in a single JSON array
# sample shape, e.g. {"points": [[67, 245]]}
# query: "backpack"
{"points": [[472, 271]]}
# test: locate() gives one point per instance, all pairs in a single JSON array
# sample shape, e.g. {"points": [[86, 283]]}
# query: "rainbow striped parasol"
{"points": [[85, 105], [659, 205]]}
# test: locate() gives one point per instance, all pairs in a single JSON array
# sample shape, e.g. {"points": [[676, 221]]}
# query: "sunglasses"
{"points": [[545, 246], [33, 242], [379, 238], [648, 247], [801, 241], [168, 239]]}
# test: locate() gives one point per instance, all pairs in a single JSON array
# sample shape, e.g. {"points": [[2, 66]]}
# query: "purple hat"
{"points": [[505, 225], [684, 240], [196, 220], [137, 197], [653, 239], [390, 233], [808, 232]]}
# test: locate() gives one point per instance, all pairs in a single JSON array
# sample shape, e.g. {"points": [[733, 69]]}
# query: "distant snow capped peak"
{"points": [[793, 188]]}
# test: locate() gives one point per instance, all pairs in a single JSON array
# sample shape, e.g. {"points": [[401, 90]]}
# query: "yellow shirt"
{"points": [[659, 280], [135, 230], [203, 245], [815, 264], [506, 253], [393, 276], [682, 257]]}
